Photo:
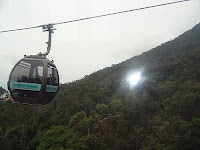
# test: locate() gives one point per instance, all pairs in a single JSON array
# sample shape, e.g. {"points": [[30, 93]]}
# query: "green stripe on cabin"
{"points": [[25, 86], [51, 88]]}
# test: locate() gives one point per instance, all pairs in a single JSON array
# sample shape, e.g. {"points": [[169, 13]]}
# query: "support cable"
{"points": [[98, 16]]}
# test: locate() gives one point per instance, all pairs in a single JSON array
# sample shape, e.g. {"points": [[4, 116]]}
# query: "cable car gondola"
{"points": [[34, 79]]}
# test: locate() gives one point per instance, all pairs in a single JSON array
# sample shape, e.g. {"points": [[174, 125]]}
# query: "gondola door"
{"points": [[26, 81]]}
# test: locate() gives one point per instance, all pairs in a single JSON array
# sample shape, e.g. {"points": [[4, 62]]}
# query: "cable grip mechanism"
{"points": [[49, 28]]}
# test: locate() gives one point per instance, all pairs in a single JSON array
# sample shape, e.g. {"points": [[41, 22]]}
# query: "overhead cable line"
{"points": [[26, 28], [98, 16], [120, 12]]}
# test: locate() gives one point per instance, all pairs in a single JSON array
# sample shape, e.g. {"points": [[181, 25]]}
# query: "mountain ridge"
{"points": [[174, 47]]}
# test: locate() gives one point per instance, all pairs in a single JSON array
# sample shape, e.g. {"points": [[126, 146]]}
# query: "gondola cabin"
{"points": [[33, 80]]}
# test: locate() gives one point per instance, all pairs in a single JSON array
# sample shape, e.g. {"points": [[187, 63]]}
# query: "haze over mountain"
{"points": [[104, 111]]}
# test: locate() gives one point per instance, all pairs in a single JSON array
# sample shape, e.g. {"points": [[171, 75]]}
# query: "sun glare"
{"points": [[134, 78]]}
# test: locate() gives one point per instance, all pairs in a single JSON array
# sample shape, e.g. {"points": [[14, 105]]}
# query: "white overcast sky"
{"points": [[81, 48]]}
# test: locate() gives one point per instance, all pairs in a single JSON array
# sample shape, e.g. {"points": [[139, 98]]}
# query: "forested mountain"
{"points": [[102, 110], [2, 91]]}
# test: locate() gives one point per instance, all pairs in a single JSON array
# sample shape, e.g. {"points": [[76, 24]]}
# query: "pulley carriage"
{"points": [[34, 79]]}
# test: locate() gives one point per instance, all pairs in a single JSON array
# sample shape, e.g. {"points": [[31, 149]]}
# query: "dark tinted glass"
{"points": [[26, 78], [30, 71], [52, 75]]}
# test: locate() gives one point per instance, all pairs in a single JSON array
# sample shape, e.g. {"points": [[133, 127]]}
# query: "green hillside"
{"points": [[103, 111]]}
